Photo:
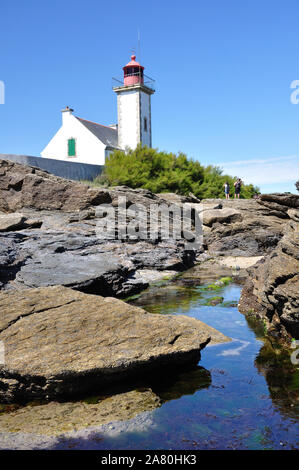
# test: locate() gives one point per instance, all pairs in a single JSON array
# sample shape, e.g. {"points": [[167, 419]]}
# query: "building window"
{"points": [[71, 147], [145, 124]]}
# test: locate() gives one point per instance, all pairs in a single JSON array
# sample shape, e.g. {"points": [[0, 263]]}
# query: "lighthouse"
{"points": [[82, 141], [134, 106]]}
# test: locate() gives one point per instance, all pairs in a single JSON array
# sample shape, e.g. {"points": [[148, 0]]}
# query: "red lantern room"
{"points": [[133, 72]]}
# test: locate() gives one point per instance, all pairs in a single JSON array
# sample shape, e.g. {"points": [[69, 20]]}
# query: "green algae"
{"points": [[294, 381], [229, 304], [131, 297], [92, 400], [213, 301], [167, 299], [222, 282]]}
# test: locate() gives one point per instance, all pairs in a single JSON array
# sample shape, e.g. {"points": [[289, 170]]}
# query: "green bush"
{"points": [[166, 172]]}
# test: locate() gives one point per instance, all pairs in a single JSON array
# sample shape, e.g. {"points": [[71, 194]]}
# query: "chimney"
{"points": [[66, 113]]}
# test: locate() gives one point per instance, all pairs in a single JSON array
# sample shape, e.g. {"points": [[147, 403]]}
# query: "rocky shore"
{"points": [[268, 229], [64, 334], [52, 238], [271, 292], [244, 227]]}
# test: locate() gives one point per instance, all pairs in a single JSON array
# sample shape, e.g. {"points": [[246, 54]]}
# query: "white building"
{"points": [[88, 142]]}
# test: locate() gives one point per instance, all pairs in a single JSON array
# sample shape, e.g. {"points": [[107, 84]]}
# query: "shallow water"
{"points": [[243, 395], [248, 401]]}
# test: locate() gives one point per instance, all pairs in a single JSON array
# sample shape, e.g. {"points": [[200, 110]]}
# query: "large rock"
{"points": [[59, 241], [178, 199], [239, 262], [220, 215], [25, 186], [11, 257], [97, 273], [254, 230], [70, 254], [271, 293], [59, 342], [10, 222], [282, 199]]}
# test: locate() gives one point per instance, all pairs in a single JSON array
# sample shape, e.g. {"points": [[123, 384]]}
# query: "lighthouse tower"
{"points": [[134, 106]]}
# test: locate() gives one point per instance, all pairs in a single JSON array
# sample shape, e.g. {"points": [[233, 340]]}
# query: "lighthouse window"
{"points": [[133, 71], [145, 124], [71, 147]]}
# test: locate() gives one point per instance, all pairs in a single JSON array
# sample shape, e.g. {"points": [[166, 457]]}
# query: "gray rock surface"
{"points": [[15, 221], [59, 241], [71, 254], [54, 238], [254, 230], [271, 292], [210, 217]]}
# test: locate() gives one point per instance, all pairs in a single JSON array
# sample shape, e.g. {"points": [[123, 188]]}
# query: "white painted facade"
{"points": [[89, 149], [128, 119], [145, 119], [93, 142], [134, 116]]}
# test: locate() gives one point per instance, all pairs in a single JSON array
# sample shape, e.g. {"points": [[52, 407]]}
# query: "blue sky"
{"points": [[223, 71]]}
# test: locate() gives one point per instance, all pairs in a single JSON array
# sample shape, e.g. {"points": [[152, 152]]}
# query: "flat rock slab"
{"points": [[11, 221], [16, 221], [54, 418], [221, 215], [60, 342], [67, 269], [242, 262]]}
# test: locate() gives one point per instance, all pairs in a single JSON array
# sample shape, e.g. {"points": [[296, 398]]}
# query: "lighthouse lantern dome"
{"points": [[133, 72]]}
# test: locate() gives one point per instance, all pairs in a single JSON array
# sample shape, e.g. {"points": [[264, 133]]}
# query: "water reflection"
{"points": [[250, 412], [244, 394], [121, 404], [185, 383], [167, 299], [282, 377], [274, 363]]}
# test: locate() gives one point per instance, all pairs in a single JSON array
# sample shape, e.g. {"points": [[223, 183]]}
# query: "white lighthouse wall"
{"points": [[89, 149], [145, 113], [128, 119]]}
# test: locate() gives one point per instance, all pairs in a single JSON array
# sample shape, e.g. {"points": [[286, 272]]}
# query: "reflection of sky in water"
{"points": [[235, 351], [232, 406], [233, 410]]}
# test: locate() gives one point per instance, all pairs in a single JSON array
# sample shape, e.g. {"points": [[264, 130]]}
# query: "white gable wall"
{"points": [[89, 149]]}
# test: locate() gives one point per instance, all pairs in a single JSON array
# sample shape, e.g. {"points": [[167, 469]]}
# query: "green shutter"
{"points": [[71, 148]]}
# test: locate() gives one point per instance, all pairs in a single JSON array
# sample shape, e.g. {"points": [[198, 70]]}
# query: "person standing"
{"points": [[237, 185], [226, 190]]}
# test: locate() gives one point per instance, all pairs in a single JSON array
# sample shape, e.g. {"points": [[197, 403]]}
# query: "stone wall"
{"points": [[68, 170]]}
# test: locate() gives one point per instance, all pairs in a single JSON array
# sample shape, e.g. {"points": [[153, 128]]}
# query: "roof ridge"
{"points": [[92, 122]]}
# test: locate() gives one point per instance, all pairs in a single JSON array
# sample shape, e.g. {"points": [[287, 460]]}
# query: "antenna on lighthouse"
{"points": [[139, 52]]}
